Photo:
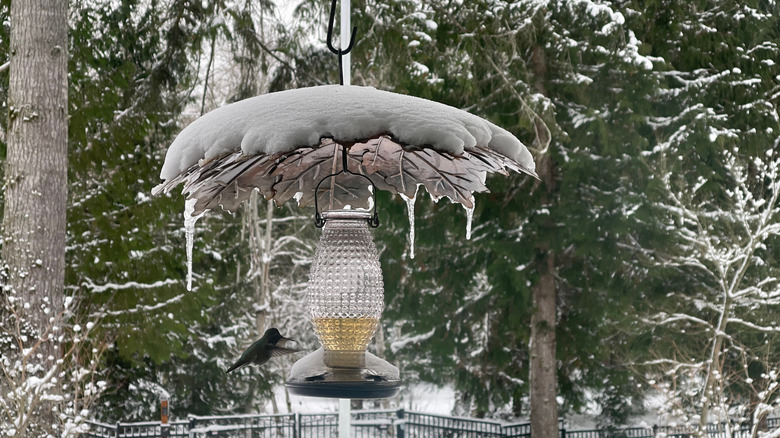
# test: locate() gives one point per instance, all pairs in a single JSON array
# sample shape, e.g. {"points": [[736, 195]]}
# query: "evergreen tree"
{"points": [[130, 75], [699, 227], [170, 340]]}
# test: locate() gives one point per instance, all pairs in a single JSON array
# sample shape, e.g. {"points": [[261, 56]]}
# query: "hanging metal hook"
{"points": [[340, 52], [319, 220]]}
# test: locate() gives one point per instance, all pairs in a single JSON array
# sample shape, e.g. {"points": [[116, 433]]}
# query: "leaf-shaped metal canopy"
{"points": [[284, 144]]}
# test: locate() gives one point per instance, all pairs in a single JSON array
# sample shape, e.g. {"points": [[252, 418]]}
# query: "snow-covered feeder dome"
{"points": [[269, 141]]}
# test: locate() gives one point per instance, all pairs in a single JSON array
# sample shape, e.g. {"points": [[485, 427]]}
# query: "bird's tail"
{"points": [[238, 364]]}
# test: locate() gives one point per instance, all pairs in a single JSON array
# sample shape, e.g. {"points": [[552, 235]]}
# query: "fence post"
{"points": [[165, 429], [118, 429], [400, 427], [190, 426], [296, 425]]}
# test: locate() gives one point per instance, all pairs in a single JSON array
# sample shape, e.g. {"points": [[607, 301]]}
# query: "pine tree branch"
{"points": [[282, 61], [541, 130]]}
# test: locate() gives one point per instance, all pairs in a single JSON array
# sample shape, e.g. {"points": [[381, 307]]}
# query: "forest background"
{"points": [[654, 225]]}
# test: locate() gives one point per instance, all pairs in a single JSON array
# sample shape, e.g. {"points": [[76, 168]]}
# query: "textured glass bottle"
{"points": [[346, 292]]}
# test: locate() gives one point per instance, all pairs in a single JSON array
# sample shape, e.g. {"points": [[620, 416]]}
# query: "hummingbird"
{"points": [[263, 349]]}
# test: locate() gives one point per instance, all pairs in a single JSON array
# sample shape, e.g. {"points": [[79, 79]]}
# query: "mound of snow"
{"points": [[286, 120]]}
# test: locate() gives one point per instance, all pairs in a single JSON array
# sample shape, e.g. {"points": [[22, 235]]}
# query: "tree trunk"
{"points": [[710, 394], [543, 378], [36, 180], [36, 165]]}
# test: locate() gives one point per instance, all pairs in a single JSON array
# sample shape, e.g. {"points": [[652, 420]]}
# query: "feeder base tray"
{"points": [[310, 377], [359, 390]]}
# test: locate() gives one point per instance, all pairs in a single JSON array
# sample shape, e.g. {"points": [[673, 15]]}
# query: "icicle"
{"points": [[189, 231], [469, 218], [410, 211]]}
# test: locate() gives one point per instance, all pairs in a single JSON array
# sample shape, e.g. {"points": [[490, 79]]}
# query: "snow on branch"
{"points": [[721, 246], [675, 365], [676, 317], [140, 308], [129, 285], [757, 289], [765, 329], [36, 382], [400, 344]]}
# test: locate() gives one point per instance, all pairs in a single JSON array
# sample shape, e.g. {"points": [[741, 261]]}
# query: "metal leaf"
{"points": [[228, 180], [301, 171], [403, 168], [384, 161]]}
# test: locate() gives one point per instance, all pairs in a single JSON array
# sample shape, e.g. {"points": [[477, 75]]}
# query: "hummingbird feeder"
{"points": [[283, 143], [345, 299]]}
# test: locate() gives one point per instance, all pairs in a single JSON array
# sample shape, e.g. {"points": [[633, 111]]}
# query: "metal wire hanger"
{"points": [[339, 52], [319, 220]]}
